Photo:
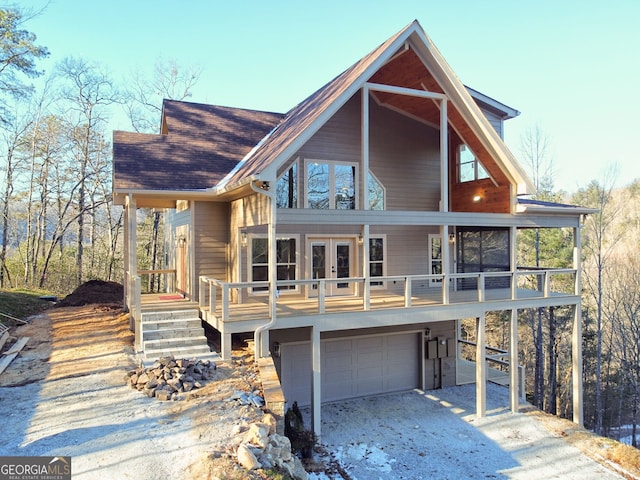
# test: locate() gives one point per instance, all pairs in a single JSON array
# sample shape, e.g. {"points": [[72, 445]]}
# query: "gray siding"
{"points": [[403, 153]]}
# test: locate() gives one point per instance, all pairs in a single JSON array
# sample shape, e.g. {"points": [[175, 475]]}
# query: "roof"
{"points": [[540, 206], [221, 148], [307, 117], [199, 146]]}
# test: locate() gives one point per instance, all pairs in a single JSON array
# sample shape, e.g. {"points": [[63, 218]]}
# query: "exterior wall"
{"points": [[404, 153], [211, 240], [495, 121], [405, 157]]}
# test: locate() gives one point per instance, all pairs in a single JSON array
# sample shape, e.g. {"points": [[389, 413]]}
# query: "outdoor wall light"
{"points": [[477, 198], [276, 349], [243, 239], [181, 241], [452, 238], [360, 239]]}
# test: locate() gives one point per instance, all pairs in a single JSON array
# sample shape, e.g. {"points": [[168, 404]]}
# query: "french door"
{"points": [[332, 258]]}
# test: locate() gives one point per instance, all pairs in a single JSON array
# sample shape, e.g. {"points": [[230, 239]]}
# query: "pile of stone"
{"points": [[259, 446], [170, 378]]}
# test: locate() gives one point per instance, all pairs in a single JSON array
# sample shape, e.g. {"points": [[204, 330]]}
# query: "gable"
{"points": [[407, 60]]}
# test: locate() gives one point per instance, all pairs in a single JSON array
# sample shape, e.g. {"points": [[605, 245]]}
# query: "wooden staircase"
{"points": [[176, 332]]}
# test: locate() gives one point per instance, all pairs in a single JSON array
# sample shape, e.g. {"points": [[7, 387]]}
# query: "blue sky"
{"points": [[571, 67]]}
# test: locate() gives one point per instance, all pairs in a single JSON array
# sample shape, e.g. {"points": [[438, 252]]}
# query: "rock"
{"points": [[270, 419], [258, 435], [247, 459], [163, 395], [143, 378]]}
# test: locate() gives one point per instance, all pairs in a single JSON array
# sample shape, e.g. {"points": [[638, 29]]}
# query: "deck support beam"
{"points": [[481, 366], [316, 381], [576, 338], [514, 382], [225, 346]]}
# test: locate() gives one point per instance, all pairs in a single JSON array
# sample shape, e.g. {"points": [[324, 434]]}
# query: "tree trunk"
{"points": [[552, 401]]}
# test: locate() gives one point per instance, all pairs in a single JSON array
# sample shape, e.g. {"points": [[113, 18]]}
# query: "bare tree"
{"points": [[88, 90], [143, 96], [601, 237]]}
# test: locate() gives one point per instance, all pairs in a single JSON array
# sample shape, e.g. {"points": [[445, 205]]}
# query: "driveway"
{"points": [[436, 435]]}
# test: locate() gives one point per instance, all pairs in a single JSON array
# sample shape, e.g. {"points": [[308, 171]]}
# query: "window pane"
{"points": [[318, 261], [260, 273], [318, 185], [287, 189], [467, 172], [375, 249], [375, 269], [286, 250], [259, 250], [345, 187], [376, 193]]}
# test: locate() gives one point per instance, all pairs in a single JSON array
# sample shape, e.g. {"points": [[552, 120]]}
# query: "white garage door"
{"points": [[352, 367]]}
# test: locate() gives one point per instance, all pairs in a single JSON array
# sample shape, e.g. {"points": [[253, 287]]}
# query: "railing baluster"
{"points": [[321, 296], [213, 297], [225, 302], [366, 301], [481, 292], [407, 292]]}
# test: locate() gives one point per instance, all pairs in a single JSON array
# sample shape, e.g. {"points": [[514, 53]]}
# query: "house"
{"points": [[351, 235]]}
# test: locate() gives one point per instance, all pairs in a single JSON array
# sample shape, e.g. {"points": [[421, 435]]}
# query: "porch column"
{"points": [[127, 279], [444, 157], [514, 382], [481, 366], [513, 260], [364, 171], [446, 265], [576, 338], [316, 381], [132, 268]]}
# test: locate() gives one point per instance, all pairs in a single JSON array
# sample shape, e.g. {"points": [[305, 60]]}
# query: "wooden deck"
{"points": [[256, 307]]}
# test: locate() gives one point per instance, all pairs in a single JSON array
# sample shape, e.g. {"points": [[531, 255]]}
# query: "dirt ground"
{"points": [[65, 394]]}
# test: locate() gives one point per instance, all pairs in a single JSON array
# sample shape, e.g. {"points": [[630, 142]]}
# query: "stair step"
{"points": [[174, 342], [170, 315], [171, 324], [195, 351], [167, 334]]}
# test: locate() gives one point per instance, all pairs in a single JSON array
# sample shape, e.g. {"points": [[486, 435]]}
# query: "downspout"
{"points": [[264, 189]]}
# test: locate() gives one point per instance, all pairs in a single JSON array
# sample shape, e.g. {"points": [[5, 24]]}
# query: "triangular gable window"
{"points": [[469, 167]]}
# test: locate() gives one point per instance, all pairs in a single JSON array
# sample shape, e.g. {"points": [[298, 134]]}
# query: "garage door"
{"points": [[352, 367]]}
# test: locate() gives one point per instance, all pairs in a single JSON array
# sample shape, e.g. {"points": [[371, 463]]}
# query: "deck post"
{"points": [[316, 381], [225, 340], [514, 371], [576, 337], [481, 367]]}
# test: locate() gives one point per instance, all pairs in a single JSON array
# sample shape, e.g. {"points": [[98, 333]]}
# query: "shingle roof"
{"points": [[203, 143]]}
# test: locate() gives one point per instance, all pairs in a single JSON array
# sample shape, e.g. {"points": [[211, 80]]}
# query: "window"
{"points": [[285, 261], [469, 167], [331, 185], [435, 258], [483, 250], [287, 188], [376, 193], [376, 260]]}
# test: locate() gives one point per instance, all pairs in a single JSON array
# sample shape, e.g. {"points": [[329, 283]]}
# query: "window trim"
{"points": [[332, 181], [251, 237], [477, 164], [383, 284]]}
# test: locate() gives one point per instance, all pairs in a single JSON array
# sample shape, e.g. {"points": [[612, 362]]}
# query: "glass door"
{"points": [[332, 259]]}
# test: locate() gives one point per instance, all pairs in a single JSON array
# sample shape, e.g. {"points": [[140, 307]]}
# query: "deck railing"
{"points": [[235, 301]]}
